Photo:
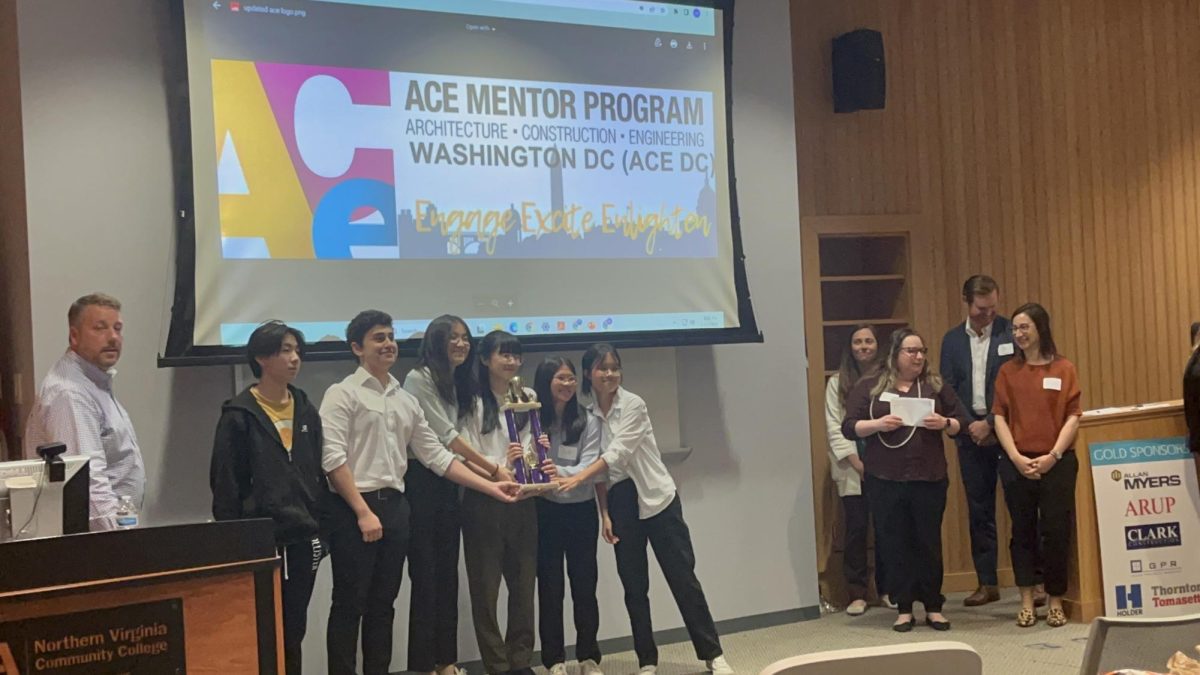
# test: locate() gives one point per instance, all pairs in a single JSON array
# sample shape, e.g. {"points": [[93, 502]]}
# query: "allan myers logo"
{"points": [[8, 664], [1143, 480], [1129, 600], [1156, 506], [1152, 536]]}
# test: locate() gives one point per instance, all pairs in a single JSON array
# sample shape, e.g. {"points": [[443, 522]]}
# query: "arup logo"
{"points": [[8, 664], [1158, 506], [1129, 599], [1152, 536]]}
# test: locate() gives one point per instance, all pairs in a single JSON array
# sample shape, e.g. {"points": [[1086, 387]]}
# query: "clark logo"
{"points": [[1139, 537], [1157, 506], [8, 664]]}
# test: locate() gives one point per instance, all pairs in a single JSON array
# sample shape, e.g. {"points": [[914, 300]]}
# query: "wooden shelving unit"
{"points": [[857, 270]]}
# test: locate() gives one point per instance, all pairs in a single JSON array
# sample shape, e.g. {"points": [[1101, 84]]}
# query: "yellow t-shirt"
{"points": [[280, 415]]}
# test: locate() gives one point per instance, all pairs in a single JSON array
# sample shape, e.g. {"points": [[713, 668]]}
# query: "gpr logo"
{"points": [[1166, 566], [1152, 536], [8, 664], [1129, 600], [1157, 506]]}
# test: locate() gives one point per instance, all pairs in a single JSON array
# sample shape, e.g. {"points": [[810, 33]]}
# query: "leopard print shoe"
{"points": [[1055, 618], [1026, 618]]}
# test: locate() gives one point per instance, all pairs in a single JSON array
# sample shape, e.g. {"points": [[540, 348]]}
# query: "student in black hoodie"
{"points": [[266, 463]]}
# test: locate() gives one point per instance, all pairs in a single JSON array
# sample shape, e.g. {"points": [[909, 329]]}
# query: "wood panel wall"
{"points": [[16, 333], [1054, 144]]}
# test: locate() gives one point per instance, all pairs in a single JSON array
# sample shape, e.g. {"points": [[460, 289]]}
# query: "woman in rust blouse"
{"points": [[907, 466], [1037, 409]]}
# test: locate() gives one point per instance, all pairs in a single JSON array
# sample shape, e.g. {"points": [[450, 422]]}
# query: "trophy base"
{"points": [[532, 489]]}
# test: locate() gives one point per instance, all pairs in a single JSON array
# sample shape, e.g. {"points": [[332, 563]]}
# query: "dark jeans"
{"points": [[432, 569], [567, 532], [1041, 509], [668, 534], [500, 542], [366, 580], [300, 563], [854, 552], [909, 514], [978, 466]]}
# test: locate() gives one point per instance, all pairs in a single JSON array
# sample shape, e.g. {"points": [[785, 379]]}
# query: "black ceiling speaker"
{"points": [[859, 81]]}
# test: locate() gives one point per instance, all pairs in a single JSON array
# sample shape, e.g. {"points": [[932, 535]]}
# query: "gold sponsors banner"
{"points": [[1146, 510], [136, 639]]}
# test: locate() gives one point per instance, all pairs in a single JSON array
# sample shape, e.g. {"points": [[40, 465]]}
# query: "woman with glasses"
{"points": [[442, 380], [1037, 410], [568, 522], [860, 357], [641, 506], [901, 412], [500, 540]]}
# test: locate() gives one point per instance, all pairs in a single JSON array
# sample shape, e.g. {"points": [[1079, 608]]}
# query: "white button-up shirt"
{"points": [[76, 406], [494, 445], [367, 426], [980, 342], [573, 459], [628, 446]]}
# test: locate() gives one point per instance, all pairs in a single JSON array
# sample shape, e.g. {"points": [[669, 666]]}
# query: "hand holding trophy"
{"points": [[527, 463]]}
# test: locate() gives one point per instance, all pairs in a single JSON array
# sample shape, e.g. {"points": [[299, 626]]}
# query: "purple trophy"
{"points": [[528, 469]]}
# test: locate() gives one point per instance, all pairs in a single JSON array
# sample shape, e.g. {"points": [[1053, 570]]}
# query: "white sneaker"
{"points": [[719, 666], [856, 608], [590, 667], [648, 670], [558, 669], [886, 601]]}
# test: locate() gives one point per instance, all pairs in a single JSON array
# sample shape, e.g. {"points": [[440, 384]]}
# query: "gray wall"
{"points": [[98, 182]]}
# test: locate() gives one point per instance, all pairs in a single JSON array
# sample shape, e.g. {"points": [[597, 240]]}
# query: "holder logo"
{"points": [[1129, 599]]}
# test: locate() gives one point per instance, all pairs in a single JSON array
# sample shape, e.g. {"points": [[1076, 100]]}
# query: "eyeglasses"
{"points": [[566, 380], [913, 351]]}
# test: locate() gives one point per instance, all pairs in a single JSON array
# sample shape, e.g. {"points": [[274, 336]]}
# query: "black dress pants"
{"points": [[366, 580], [567, 532], [300, 563], [978, 465], [1041, 509], [909, 515], [856, 509], [432, 568], [668, 534], [500, 542]]}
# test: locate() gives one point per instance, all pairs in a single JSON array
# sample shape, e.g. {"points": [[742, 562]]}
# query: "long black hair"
{"points": [[573, 419], [593, 356], [455, 387], [495, 342]]}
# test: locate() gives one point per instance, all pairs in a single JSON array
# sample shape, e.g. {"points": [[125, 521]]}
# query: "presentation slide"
{"points": [[548, 168]]}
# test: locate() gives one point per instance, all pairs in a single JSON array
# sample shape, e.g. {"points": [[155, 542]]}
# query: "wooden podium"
{"points": [[199, 598], [1085, 592]]}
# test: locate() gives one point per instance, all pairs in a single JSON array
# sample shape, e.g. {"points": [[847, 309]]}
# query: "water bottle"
{"points": [[127, 513]]}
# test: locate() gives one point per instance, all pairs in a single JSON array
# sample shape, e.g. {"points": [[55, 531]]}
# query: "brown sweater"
{"points": [[923, 457], [1036, 401]]}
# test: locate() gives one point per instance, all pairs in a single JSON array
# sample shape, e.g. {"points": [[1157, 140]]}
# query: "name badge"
{"points": [[1005, 349], [887, 397], [1054, 383], [568, 452]]}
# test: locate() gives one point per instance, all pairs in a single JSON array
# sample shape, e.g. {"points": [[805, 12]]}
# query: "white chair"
{"points": [[920, 658], [1144, 644]]}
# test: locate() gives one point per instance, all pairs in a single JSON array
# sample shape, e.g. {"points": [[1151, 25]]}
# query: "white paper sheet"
{"points": [[912, 410]]}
